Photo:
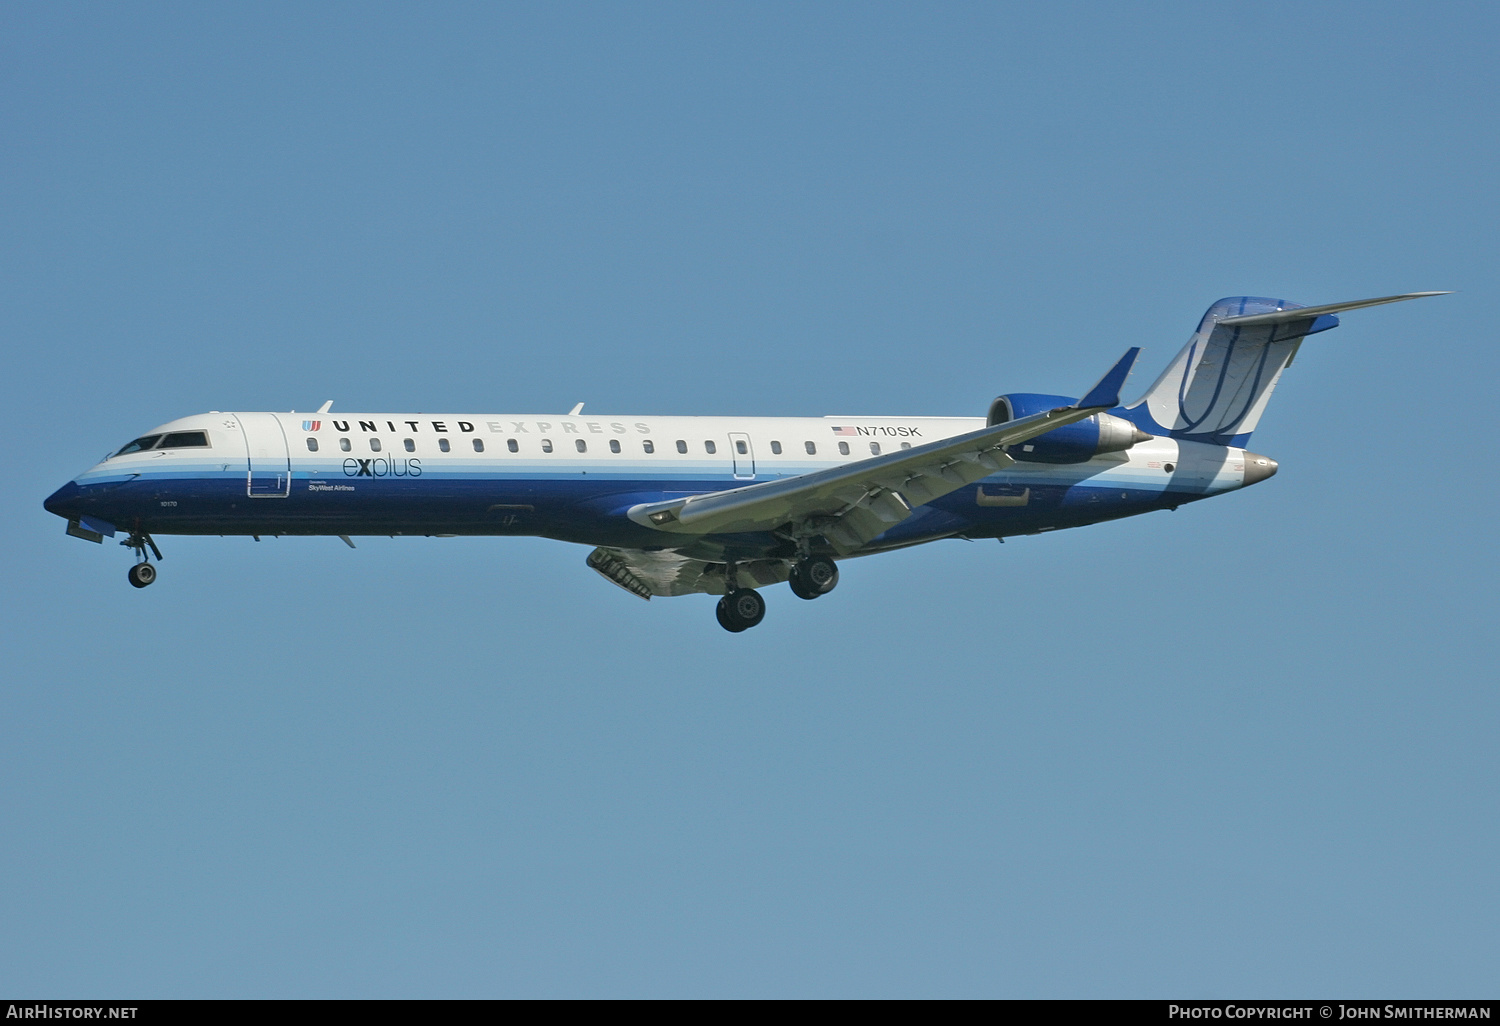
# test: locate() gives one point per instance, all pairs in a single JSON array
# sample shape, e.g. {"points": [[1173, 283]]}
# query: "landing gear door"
{"points": [[744, 455], [268, 463]]}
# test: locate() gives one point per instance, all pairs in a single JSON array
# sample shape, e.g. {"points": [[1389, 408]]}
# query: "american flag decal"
{"points": [[311, 425], [845, 431]]}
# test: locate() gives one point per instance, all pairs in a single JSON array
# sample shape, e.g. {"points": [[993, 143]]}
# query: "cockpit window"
{"points": [[184, 440], [139, 445], [171, 440]]}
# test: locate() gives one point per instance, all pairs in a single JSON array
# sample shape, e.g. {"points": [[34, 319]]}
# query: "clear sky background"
{"points": [[1247, 748]]}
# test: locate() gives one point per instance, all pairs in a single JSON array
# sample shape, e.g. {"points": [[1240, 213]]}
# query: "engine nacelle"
{"points": [[1074, 443]]}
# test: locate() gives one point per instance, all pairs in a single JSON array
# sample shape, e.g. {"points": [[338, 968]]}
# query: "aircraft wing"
{"points": [[853, 503], [645, 574]]}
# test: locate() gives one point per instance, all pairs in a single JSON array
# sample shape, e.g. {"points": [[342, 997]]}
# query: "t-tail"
{"points": [[1217, 388]]}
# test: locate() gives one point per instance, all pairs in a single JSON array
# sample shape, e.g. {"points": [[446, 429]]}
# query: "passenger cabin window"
{"points": [[411, 446], [184, 440], [443, 445], [681, 445], [344, 444], [843, 448], [741, 448], [906, 445], [546, 445], [510, 443], [580, 445], [312, 444], [812, 449], [139, 445], [614, 445], [776, 448], [648, 445], [479, 445], [874, 448], [710, 447], [374, 445]]}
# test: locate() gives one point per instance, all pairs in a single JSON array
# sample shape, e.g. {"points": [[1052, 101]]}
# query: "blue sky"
{"points": [[1246, 748]]}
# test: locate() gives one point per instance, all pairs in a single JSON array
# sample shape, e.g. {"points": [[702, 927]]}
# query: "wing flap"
{"points": [[646, 574]]}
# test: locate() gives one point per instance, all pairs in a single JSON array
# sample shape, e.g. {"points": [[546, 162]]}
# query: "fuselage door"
{"points": [[268, 464], [744, 456]]}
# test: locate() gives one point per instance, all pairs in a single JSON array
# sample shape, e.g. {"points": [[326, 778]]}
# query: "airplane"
{"points": [[717, 505]]}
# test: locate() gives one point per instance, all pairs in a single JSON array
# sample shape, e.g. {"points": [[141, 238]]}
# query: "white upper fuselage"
{"points": [[380, 445]]}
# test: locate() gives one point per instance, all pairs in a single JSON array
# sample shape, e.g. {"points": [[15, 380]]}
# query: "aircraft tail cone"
{"points": [[1258, 468]]}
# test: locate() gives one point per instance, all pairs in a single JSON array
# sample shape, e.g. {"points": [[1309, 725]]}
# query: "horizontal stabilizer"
{"points": [[1302, 313]]}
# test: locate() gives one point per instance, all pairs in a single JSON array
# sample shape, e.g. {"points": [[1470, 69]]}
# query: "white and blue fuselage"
{"points": [[574, 478], [716, 505]]}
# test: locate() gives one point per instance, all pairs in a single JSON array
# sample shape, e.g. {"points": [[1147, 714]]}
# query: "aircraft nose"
{"points": [[64, 501], [1258, 468]]}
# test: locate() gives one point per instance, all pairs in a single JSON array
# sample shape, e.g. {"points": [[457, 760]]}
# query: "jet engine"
{"points": [[1075, 443]]}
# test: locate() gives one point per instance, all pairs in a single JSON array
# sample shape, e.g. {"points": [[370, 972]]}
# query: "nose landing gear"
{"points": [[143, 573]]}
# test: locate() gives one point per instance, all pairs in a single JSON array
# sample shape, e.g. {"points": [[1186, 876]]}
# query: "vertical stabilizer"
{"points": [[1216, 388]]}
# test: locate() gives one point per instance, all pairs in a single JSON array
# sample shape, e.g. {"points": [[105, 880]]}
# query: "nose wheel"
{"points": [[813, 577], [143, 573], [740, 610]]}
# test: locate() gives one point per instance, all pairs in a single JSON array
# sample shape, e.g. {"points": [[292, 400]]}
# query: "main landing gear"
{"points": [[740, 610], [743, 608], [813, 577], [143, 573]]}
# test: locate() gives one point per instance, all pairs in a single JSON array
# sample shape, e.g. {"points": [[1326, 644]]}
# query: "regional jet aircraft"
{"points": [[717, 505]]}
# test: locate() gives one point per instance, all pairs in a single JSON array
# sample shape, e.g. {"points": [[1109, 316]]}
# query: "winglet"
{"points": [[1106, 394]]}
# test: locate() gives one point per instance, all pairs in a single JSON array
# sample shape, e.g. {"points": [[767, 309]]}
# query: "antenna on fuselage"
{"points": [[575, 411], [326, 406]]}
